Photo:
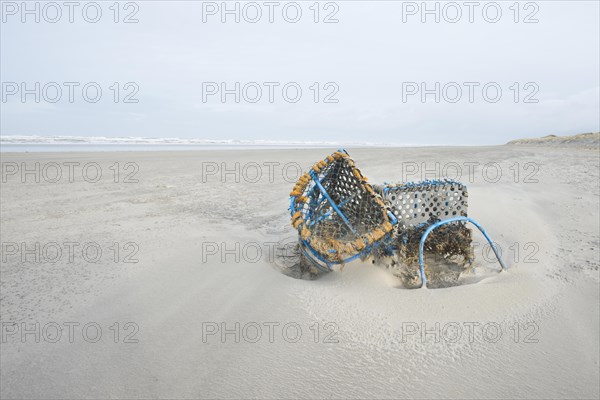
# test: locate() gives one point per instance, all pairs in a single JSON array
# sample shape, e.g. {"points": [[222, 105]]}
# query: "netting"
{"points": [[337, 213]]}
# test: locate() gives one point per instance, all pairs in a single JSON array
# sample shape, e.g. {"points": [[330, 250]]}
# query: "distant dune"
{"points": [[587, 140]]}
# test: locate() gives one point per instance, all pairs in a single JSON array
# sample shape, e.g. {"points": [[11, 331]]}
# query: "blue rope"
{"points": [[328, 213], [392, 217], [306, 245], [447, 221], [366, 251], [331, 202], [423, 184]]}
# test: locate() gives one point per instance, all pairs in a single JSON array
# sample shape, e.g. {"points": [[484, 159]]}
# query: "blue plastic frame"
{"points": [[447, 221]]}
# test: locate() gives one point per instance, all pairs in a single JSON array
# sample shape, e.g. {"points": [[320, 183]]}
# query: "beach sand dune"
{"points": [[584, 140], [204, 311]]}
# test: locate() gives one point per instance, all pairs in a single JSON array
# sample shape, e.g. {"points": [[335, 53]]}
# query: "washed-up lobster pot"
{"points": [[340, 217]]}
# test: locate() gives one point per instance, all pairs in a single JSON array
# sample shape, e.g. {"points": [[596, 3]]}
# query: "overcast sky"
{"points": [[375, 62]]}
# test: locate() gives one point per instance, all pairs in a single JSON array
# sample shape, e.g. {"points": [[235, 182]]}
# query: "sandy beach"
{"points": [[157, 275]]}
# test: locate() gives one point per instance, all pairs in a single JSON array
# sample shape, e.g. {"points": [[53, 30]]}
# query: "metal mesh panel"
{"points": [[418, 203]]}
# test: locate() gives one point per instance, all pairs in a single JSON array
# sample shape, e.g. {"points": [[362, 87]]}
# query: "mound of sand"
{"points": [[586, 140]]}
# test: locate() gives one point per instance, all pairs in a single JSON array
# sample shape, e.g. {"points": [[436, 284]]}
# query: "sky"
{"points": [[346, 71]]}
